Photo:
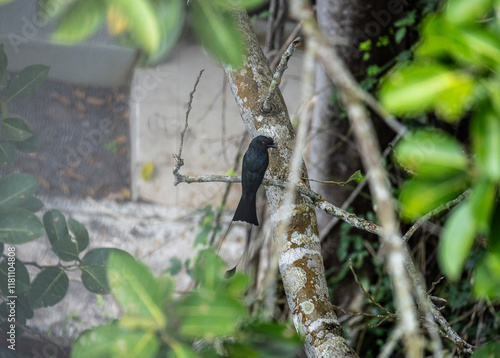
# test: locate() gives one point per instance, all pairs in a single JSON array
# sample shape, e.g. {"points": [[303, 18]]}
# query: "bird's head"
{"points": [[263, 142]]}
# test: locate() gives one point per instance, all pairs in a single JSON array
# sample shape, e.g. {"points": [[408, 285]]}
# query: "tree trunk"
{"points": [[300, 262]]}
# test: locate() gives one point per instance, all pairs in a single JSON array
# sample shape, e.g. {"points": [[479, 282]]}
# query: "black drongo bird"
{"points": [[255, 164]]}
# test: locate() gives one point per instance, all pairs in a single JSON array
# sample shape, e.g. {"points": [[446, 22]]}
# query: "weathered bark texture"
{"points": [[300, 263]]}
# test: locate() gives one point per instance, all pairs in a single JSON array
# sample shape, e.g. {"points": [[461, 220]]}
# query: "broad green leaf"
{"points": [[19, 277], [418, 196], [32, 204], [15, 129], [431, 154], [60, 240], [7, 153], [27, 81], [482, 200], [80, 234], [49, 287], [93, 266], [80, 21], [209, 269], [485, 128], [15, 189], [418, 88], [171, 16], [136, 290], [141, 21], [114, 341], [459, 233], [211, 313], [484, 43], [486, 278], [18, 226], [30, 145], [4, 1], [183, 351], [218, 32], [461, 12]]}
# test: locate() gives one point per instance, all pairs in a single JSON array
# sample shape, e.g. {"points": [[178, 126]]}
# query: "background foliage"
{"points": [[448, 81]]}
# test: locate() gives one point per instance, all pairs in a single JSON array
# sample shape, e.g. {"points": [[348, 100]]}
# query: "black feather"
{"points": [[255, 163]]}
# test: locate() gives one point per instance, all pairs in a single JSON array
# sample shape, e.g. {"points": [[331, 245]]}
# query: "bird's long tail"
{"points": [[246, 210]]}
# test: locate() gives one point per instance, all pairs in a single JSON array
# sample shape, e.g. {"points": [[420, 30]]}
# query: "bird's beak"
{"points": [[271, 146]]}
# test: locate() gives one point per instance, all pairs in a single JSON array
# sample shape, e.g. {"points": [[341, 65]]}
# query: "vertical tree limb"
{"points": [[300, 262], [353, 99]]}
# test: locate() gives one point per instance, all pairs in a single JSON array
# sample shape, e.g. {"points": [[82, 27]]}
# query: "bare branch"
{"points": [[282, 66], [178, 157], [435, 212]]}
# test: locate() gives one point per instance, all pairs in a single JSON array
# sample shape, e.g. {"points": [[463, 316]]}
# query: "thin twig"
{"points": [[367, 294], [178, 157], [278, 74], [432, 213], [293, 35]]}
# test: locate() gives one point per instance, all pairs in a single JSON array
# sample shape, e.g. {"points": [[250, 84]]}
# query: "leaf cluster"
{"points": [[454, 74], [153, 26]]}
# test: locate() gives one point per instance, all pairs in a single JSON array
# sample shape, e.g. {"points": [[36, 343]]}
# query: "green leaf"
{"points": [[57, 231], [407, 20], [80, 21], [481, 201], [484, 44], [486, 279], [136, 290], [459, 233], [141, 22], [171, 15], [114, 341], [15, 129], [30, 145], [48, 287], [32, 204], [218, 32], [27, 81], [210, 313], [80, 234], [183, 351], [209, 269], [400, 34], [418, 196], [15, 189], [18, 226], [421, 87], [18, 273], [7, 153], [175, 266], [485, 142], [93, 266], [431, 154], [461, 12]]}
